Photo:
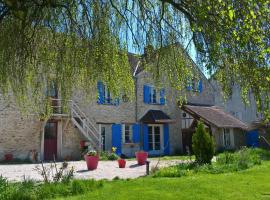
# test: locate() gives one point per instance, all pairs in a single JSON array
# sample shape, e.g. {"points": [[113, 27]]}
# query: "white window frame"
{"points": [[154, 151], [152, 89], [187, 120], [106, 95], [227, 133], [124, 131]]}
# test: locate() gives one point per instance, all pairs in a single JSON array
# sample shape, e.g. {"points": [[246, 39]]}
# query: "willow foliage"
{"points": [[78, 42]]}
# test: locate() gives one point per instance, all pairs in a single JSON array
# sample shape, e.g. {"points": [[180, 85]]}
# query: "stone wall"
{"points": [[71, 143], [18, 134]]}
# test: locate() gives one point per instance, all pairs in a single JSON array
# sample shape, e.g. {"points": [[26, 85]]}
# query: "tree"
{"points": [[82, 41], [202, 145]]}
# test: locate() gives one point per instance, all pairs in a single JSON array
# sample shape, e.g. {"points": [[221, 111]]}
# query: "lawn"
{"points": [[253, 183]]}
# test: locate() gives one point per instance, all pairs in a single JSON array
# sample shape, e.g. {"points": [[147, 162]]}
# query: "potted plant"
{"points": [[141, 157], [113, 155], [91, 158], [82, 143], [8, 157], [121, 163]]}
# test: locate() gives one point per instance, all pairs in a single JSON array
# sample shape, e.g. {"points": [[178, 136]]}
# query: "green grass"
{"points": [[168, 158], [241, 175], [253, 183]]}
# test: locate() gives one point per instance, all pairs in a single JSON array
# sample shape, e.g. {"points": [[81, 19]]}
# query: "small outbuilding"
{"points": [[228, 131]]}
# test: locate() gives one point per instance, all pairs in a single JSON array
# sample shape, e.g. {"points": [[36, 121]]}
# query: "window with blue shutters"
{"points": [[200, 86], [152, 95], [195, 85], [104, 95]]}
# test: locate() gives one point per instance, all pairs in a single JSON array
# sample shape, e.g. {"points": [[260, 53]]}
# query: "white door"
{"points": [[155, 139]]}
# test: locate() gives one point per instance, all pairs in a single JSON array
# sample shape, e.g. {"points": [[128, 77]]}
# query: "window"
{"points": [[154, 138], [104, 95], [154, 95], [186, 120], [194, 85], [103, 135], [127, 133], [226, 137], [51, 90]]}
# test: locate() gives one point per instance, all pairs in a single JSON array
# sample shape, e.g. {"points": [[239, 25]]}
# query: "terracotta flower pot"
{"points": [[91, 162], [82, 143], [8, 157], [122, 163], [141, 157]]}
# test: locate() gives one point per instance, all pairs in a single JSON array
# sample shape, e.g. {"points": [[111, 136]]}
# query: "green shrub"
{"points": [[172, 171], [113, 156], [108, 156], [225, 163], [202, 145]]}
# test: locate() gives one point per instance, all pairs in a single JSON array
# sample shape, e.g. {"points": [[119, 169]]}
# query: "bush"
{"points": [[108, 156], [113, 156], [225, 163], [29, 190], [202, 145], [173, 171], [242, 159]]}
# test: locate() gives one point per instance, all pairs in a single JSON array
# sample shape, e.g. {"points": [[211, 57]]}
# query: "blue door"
{"points": [[252, 138]]}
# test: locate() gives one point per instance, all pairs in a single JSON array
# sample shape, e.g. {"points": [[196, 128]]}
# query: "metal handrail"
{"points": [[80, 111], [88, 129], [84, 124]]}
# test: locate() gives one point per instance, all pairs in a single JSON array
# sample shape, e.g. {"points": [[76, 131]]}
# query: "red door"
{"points": [[50, 141]]}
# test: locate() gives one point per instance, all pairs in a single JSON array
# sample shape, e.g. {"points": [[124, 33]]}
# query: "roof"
{"points": [[156, 116], [134, 61], [215, 116]]}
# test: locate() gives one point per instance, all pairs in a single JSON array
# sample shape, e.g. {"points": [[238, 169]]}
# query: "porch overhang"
{"points": [[156, 117], [213, 115]]}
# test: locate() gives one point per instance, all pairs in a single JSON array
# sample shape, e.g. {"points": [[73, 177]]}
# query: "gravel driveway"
{"points": [[106, 170]]}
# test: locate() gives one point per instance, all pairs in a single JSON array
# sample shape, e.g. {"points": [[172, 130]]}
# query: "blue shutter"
{"points": [[100, 88], [136, 133], [145, 137], [189, 85], [162, 96], [146, 94], [200, 87], [166, 139], [117, 138]]}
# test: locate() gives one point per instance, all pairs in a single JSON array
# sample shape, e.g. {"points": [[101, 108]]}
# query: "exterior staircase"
{"points": [[80, 120], [85, 126]]}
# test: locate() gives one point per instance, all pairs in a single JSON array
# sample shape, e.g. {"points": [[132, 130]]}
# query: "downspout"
{"points": [[136, 99], [136, 103], [136, 91]]}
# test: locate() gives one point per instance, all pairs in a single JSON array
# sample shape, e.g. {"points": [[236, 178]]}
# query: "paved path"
{"points": [[106, 170]]}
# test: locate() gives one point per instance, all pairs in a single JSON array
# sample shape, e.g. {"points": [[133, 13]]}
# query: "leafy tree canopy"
{"points": [[78, 42]]}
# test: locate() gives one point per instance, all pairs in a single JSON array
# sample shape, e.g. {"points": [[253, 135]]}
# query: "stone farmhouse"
{"points": [[153, 122]]}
